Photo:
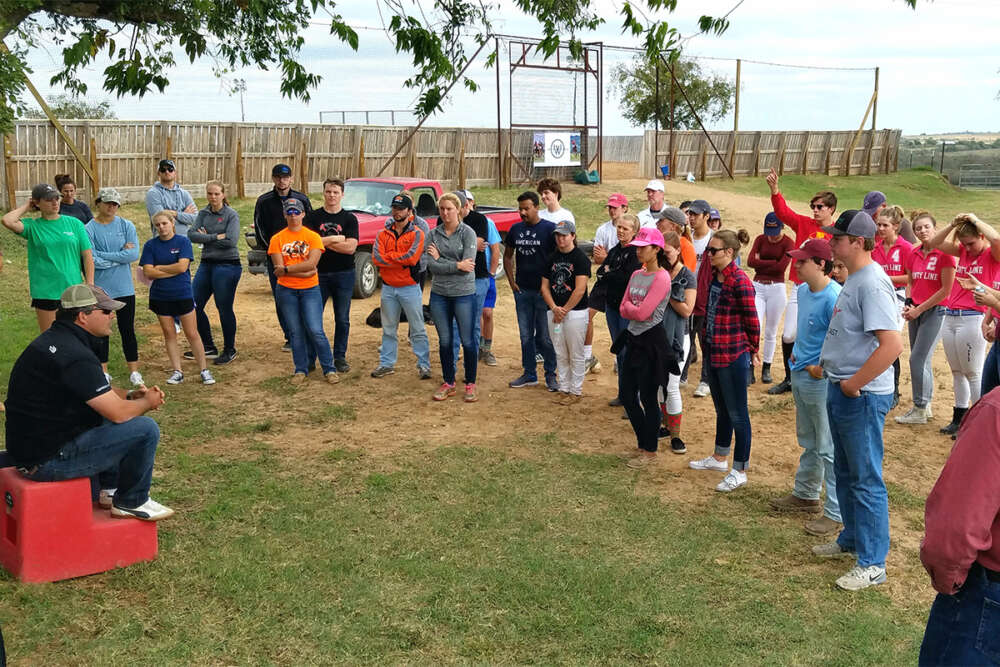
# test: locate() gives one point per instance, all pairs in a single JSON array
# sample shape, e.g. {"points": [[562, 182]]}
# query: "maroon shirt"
{"points": [[962, 516], [770, 260]]}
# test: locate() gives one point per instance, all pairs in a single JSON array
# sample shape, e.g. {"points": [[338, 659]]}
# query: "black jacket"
{"points": [[269, 216]]}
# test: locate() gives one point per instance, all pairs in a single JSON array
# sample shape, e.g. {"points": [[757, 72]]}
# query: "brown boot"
{"points": [[823, 526], [792, 503]]}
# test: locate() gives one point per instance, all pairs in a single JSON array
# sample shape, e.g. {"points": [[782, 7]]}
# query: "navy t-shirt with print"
{"points": [[532, 244], [561, 271], [158, 252]]}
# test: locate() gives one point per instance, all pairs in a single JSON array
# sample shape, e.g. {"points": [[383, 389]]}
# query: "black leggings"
{"points": [[126, 328], [639, 395]]}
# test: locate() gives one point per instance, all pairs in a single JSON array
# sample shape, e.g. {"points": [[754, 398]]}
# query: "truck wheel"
{"points": [[366, 278]]}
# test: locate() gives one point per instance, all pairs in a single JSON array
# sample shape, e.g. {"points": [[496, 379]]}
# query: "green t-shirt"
{"points": [[54, 248]]}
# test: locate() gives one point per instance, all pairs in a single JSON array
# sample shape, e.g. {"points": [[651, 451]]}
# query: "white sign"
{"points": [[556, 149]]}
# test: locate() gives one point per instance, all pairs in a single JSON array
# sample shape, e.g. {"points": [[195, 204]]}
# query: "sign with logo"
{"points": [[556, 149]]}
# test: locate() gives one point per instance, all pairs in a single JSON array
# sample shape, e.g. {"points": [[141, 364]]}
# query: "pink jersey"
{"points": [[983, 267], [894, 259], [925, 273]]}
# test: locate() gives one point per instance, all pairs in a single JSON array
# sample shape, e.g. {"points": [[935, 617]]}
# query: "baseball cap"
{"points": [[292, 204], [281, 169], [656, 184], [617, 199], [81, 296], [565, 227], [713, 214], [648, 236], [813, 248], [468, 195], [772, 226], [853, 223], [166, 163], [109, 196], [873, 200], [699, 206], [461, 197], [402, 201], [673, 214], [44, 191]]}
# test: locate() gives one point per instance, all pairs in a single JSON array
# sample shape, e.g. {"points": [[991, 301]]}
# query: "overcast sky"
{"points": [[938, 69]]}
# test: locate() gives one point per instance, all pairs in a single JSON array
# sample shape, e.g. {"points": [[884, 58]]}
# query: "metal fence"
{"points": [[979, 177]]}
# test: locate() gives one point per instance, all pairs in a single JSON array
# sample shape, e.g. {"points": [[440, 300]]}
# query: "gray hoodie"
{"points": [[159, 198], [448, 280], [225, 221]]}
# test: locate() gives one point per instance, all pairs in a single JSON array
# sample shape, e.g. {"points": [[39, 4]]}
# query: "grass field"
{"points": [[509, 548]]}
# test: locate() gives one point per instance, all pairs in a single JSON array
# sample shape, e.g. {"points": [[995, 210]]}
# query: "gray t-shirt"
{"points": [[866, 304]]}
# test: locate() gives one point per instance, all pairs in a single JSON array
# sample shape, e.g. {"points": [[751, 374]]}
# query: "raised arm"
{"points": [[12, 218]]}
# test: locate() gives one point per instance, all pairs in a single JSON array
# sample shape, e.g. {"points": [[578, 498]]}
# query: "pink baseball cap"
{"points": [[617, 199], [648, 236]]}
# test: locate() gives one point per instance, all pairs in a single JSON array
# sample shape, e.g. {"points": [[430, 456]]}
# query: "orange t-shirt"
{"points": [[295, 248], [688, 255]]}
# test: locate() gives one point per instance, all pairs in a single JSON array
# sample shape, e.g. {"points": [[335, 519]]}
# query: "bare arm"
{"points": [[686, 307], [88, 266], [508, 267], [113, 407], [941, 242], [12, 218]]}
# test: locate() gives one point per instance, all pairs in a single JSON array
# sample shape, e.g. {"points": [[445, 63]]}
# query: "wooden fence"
{"points": [[752, 153], [124, 154]]}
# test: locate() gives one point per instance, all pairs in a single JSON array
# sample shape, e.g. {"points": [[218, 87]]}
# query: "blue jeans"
{"points": [[120, 455], [339, 285], [444, 309], [617, 324], [856, 426], [812, 428], [732, 416], [991, 371], [533, 327], [303, 312], [218, 281], [964, 629], [482, 286], [273, 281], [408, 299]]}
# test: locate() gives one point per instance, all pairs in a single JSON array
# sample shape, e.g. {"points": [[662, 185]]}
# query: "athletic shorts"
{"points": [[171, 308], [45, 304], [491, 294]]}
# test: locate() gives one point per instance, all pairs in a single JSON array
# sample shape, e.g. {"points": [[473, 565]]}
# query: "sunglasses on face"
{"points": [[712, 251], [163, 170], [817, 207], [293, 211]]}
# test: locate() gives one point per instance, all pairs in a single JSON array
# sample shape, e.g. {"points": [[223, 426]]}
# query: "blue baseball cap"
{"points": [[772, 226]]}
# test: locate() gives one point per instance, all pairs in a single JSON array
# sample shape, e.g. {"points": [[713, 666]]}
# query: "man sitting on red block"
{"points": [[65, 420]]}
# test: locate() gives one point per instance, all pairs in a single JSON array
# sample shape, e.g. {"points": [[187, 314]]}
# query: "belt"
{"points": [[768, 281], [961, 312]]}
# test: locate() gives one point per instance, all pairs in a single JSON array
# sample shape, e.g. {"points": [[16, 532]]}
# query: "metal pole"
{"points": [[600, 116], [392, 118], [736, 106], [367, 122], [585, 134], [670, 147], [656, 123], [875, 104], [496, 66], [941, 168]]}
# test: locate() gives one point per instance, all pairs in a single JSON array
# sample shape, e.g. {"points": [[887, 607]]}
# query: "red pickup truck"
{"points": [[368, 199]]}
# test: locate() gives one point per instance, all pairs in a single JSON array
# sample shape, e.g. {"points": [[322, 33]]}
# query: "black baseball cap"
{"points": [[402, 201], [44, 191], [165, 163], [281, 169]]}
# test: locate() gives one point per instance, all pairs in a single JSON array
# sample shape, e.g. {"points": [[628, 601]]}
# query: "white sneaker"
{"points": [[106, 497], [709, 463], [175, 378], [107, 376], [148, 511], [734, 480], [859, 578], [702, 390], [136, 379], [206, 376], [914, 416]]}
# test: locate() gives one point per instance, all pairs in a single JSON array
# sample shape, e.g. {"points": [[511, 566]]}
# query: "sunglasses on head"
{"points": [[166, 169], [817, 207]]}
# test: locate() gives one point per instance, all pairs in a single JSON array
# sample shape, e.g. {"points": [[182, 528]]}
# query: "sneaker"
{"points": [[423, 373], [523, 381], [298, 379], [175, 378], [444, 391], [832, 550], [287, 347], [551, 383], [341, 365], [664, 433], [106, 498], [470, 393], [206, 376], [677, 446], [331, 377], [732, 481], [570, 399], [107, 376], [539, 359], [489, 358], [226, 357], [210, 353], [148, 511], [702, 390], [792, 503], [642, 460], [914, 416], [615, 402], [560, 395], [628, 456], [136, 379], [782, 387], [823, 527], [859, 578], [593, 365], [709, 463], [382, 371]]}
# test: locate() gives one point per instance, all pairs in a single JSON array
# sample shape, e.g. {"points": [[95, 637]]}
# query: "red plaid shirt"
{"points": [[736, 329]]}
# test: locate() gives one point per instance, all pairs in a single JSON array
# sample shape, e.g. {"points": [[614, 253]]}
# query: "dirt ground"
{"points": [[503, 417]]}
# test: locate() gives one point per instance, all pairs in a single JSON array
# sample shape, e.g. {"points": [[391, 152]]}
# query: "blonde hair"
{"points": [[894, 214], [633, 220], [222, 186], [919, 214], [162, 214], [731, 239]]}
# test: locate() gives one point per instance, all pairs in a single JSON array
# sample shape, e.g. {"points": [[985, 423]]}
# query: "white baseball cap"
{"points": [[656, 184]]}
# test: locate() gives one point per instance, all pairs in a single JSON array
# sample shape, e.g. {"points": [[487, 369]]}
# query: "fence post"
{"points": [[781, 153], [826, 151], [95, 181], [732, 148], [886, 150], [356, 152], [361, 156], [168, 143], [868, 152], [241, 186], [459, 158], [703, 157], [805, 154], [8, 169], [756, 154], [304, 169], [411, 156]]}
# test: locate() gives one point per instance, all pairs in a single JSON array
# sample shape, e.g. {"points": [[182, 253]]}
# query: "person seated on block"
{"points": [[65, 420]]}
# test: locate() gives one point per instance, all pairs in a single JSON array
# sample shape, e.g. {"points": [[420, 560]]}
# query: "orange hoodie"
{"points": [[397, 255]]}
